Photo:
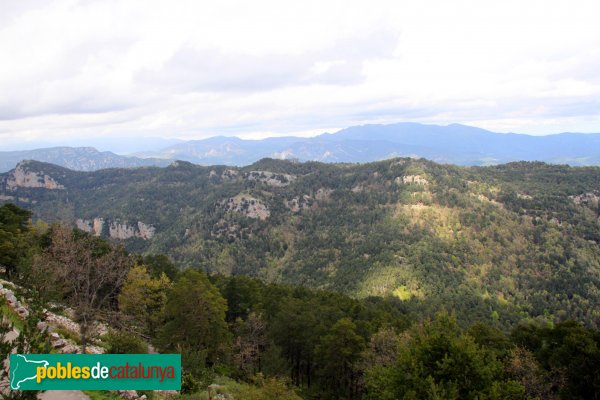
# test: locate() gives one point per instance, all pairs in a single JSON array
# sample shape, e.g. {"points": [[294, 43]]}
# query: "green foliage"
{"points": [[123, 342], [189, 384], [437, 360], [159, 264], [261, 388], [14, 228], [10, 315], [569, 352], [195, 320], [444, 243], [67, 334], [339, 352], [143, 298], [492, 243], [102, 395], [500, 247], [29, 340]]}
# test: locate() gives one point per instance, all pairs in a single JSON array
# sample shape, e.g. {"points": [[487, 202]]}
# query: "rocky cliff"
{"points": [[116, 229], [23, 177]]}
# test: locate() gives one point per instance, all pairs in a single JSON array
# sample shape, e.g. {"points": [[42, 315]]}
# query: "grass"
{"points": [[67, 334], [12, 316], [102, 395], [108, 395]]}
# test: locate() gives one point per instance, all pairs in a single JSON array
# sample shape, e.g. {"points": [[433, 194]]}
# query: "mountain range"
{"points": [[453, 144], [76, 158]]}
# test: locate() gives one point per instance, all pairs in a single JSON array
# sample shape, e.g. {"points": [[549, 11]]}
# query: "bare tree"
{"points": [[82, 270], [250, 344]]}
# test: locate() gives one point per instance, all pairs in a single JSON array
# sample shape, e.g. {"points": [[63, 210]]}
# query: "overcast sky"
{"points": [[193, 69]]}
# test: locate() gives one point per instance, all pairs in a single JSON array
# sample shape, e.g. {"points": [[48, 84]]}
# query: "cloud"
{"points": [[114, 67], [196, 70]]}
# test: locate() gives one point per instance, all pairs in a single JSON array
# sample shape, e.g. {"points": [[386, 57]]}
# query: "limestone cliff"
{"points": [[117, 229], [21, 176]]}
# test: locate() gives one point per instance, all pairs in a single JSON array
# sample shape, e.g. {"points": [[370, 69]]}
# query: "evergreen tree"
{"points": [[338, 354], [195, 320]]}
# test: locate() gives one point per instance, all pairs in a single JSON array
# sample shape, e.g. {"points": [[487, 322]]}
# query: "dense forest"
{"points": [[501, 244], [262, 340]]}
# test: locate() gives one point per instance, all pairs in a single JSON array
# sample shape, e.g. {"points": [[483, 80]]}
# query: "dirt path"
{"points": [[63, 395]]}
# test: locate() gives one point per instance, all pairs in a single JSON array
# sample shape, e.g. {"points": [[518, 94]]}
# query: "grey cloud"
{"points": [[192, 70], [81, 104], [31, 97]]}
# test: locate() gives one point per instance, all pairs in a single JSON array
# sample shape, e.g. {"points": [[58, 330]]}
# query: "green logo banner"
{"points": [[95, 371]]}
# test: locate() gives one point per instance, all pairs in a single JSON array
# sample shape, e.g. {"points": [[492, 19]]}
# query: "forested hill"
{"points": [[508, 242]]}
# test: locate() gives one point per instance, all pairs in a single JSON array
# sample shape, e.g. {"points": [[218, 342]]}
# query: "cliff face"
{"points": [[21, 176], [116, 229]]}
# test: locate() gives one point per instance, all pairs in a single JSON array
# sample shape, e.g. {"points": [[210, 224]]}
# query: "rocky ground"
{"points": [[63, 345]]}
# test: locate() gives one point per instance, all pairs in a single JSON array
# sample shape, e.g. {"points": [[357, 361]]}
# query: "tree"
{"points": [[249, 344], [14, 225], [522, 366], [569, 353], [122, 342], [382, 349], [158, 264], [296, 329], [491, 338], [143, 298], [195, 319], [338, 353], [437, 361], [82, 270]]}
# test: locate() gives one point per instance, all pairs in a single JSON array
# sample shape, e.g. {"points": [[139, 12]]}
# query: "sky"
{"points": [[73, 70]]}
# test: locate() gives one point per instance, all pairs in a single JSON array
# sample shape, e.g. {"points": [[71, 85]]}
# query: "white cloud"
{"points": [[194, 69]]}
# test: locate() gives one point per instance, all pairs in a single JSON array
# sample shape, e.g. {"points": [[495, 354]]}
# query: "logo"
{"points": [[95, 371]]}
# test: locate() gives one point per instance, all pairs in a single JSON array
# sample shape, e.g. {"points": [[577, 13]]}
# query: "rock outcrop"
{"points": [[94, 226], [414, 179], [117, 229], [270, 178], [591, 199], [22, 177], [229, 174], [323, 194], [120, 231], [298, 203], [145, 231], [248, 206]]}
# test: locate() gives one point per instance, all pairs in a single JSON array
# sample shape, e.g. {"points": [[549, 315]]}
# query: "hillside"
{"points": [[508, 242]]}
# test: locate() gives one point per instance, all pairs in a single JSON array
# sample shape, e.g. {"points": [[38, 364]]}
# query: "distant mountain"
{"points": [[454, 144], [123, 145], [76, 158]]}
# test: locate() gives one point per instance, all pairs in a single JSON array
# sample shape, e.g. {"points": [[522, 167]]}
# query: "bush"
{"points": [[121, 342]]}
